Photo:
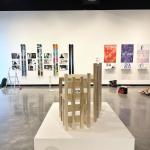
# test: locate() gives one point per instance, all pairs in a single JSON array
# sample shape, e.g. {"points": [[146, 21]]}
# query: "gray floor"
{"points": [[22, 112]]}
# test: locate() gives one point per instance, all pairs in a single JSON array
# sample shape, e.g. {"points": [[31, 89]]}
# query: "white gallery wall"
{"points": [[89, 31]]}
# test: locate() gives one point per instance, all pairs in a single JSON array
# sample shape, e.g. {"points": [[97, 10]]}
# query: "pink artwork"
{"points": [[143, 53]]}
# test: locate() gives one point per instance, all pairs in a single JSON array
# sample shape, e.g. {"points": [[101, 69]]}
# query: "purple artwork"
{"points": [[127, 53]]}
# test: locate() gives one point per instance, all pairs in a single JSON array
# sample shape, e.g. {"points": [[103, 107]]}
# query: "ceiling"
{"points": [[73, 4]]}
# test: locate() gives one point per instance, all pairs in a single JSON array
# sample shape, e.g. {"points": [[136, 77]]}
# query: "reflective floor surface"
{"points": [[22, 112]]}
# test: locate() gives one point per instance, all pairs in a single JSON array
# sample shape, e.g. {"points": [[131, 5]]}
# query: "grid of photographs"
{"points": [[48, 61], [63, 62], [15, 61], [23, 60], [31, 61], [39, 58]]}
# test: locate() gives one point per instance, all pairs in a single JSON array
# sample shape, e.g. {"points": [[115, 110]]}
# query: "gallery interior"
{"points": [[75, 74]]}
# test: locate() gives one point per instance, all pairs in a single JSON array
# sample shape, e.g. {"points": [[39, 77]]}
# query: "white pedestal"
{"points": [[108, 133]]}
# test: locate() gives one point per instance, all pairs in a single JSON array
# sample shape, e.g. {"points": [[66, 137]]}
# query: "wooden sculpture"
{"points": [[75, 102]]}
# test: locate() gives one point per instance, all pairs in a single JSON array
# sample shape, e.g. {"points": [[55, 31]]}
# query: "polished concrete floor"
{"points": [[22, 112]]}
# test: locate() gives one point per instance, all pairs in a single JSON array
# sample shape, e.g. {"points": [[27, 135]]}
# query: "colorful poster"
{"points": [[39, 58], [110, 53], [48, 61], [143, 54], [63, 61], [31, 61], [127, 53], [15, 61], [55, 59], [23, 60]]}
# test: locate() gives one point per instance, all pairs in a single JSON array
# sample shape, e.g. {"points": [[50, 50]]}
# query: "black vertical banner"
{"points": [[39, 58], [23, 60], [71, 59]]}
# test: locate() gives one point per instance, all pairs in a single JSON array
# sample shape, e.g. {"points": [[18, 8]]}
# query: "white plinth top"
{"points": [[107, 126]]}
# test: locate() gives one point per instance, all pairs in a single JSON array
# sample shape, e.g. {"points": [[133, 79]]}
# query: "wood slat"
{"points": [[76, 96], [66, 104], [60, 98], [73, 107], [77, 77], [77, 84], [95, 93], [88, 108], [81, 104], [77, 119], [100, 86]]}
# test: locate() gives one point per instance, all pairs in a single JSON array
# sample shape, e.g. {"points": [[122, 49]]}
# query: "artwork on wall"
{"points": [[48, 61], [55, 59], [15, 61], [63, 61], [143, 56], [43, 61], [39, 59], [110, 56], [127, 51], [110, 53], [31, 61], [23, 60], [71, 59]]}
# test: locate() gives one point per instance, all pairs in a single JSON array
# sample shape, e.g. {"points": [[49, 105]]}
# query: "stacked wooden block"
{"points": [[76, 105]]}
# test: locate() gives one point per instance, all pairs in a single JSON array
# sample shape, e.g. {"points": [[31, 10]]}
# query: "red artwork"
{"points": [[110, 53]]}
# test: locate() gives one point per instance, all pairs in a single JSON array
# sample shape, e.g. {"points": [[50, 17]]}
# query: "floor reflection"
{"points": [[134, 110], [22, 112]]}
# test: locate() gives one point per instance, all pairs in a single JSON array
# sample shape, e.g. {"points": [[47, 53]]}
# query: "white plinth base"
{"points": [[108, 133]]}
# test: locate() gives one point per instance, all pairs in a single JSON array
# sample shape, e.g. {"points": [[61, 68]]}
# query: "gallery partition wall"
{"points": [[39, 43]]}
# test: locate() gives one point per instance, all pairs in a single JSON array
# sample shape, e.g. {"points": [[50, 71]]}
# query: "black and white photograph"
{"points": [[63, 67], [15, 56], [31, 65], [48, 56], [63, 59], [31, 55], [15, 64], [46, 62], [48, 67]]}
